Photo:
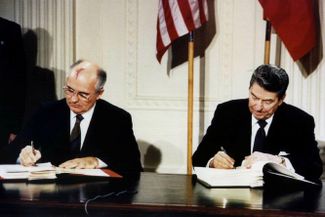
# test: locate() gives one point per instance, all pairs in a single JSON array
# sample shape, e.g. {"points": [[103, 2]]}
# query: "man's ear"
{"points": [[282, 99], [100, 93]]}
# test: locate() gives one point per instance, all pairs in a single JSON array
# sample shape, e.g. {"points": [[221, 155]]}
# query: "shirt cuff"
{"points": [[101, 164], [208, 164]]}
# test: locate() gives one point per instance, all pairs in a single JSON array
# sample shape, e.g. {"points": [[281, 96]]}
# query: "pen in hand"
{"points": [[32, 145], [33, 156], [33, 151], [227, 162]]}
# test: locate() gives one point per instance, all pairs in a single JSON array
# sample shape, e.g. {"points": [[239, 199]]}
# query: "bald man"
{"points": [[105, 137]]}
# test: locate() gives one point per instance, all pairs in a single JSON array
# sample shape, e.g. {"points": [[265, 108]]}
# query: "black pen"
{"points": [[32, 145], [33, 150]]}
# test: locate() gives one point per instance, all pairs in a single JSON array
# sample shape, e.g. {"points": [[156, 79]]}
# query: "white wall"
{"points": [[7, 9], [120, 35]]}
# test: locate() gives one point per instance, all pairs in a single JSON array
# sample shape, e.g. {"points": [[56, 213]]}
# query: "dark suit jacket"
{"points": [[12, 79], [292, 131], [109, 137]]}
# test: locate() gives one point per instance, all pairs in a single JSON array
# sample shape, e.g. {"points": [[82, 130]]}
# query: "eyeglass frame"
{"points": [[70, 92]]}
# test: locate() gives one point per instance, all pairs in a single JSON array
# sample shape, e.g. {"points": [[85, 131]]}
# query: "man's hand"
{"points": [[81, 163], [29, 156], [222, 161], [259, 156]]}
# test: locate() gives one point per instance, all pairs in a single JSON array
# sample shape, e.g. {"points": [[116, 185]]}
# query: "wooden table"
{"points": [[152, 195]]}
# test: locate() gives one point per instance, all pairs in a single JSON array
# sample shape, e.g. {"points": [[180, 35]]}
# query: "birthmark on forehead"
{"points": [[82, 68], [75, 73], [78, 71]]}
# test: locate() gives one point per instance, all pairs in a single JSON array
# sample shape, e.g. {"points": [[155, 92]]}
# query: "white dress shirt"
{"points": [[256, 126], [84, 125]]}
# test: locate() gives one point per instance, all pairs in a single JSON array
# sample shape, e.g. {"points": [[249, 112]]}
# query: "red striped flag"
{"points": [[177, 18], [295, 23]]}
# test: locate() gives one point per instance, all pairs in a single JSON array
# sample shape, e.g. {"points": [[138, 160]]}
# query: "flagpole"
{"points": [[267, 42], [190, 103]]}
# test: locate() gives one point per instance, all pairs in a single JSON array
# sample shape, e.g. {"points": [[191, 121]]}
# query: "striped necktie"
{"points": [[75, 137]]}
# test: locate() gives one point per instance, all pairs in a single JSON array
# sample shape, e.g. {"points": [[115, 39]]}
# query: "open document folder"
{"points": [[242, 177], [47, 171], [239, 177]]}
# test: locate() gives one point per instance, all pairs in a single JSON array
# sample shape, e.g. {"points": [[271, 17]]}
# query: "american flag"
{"points": [[177, 18]]}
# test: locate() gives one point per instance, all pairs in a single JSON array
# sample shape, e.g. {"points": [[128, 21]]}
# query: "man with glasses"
{"points": [[80, 131], [261, 128]]}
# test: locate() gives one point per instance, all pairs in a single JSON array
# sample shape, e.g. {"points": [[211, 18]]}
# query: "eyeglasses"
{"points": [[70, 92]]}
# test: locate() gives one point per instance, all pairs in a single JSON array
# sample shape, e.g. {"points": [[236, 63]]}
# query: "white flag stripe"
{"points": [[162, 26], [178, 19], [205, 8], [194, 5], [174, 25]]}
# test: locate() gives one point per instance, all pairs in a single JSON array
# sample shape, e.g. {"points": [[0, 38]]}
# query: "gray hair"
{"points": [[102, 77]]}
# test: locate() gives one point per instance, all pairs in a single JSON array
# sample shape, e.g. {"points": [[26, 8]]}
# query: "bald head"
{"points": [[84, 86], [83, 69]]}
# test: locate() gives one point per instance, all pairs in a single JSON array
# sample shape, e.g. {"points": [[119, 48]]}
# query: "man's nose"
{"points": [[74, 98], [259, 105]]}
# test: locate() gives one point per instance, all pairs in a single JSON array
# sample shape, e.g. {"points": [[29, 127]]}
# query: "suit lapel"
{"points": [[246, 132], [64, 123], [276, 129]]}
